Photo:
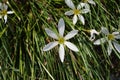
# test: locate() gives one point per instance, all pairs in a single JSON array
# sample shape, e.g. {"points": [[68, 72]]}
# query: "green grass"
{"points": [[23, 38]]}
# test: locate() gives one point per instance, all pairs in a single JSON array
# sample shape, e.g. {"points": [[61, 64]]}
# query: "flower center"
{"points": [[61, 40], [85, 1], [3, 12], [76, 12], [111, 37]]}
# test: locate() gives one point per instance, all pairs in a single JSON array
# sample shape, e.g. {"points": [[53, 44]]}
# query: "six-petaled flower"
{"points": [[111, 38], [61, 40], [77, 12]]}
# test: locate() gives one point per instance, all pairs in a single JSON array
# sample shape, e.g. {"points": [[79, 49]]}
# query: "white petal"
{"points": [[69, 13], [109, 48], [115, 33], [82, 4], [92, 34], [117, 37], [71, 34], [99, 41], [50, 46], [87, 6], [93, 31], [61, 52], [71, 46], [85, 10], [117, 46], [81, 18], [74, 19], [70, 4], [91, 2], [5, 6], [10, 12], [79, 7], [92, 38], [5, 18], [61, 27], [51, 33], [104, 30]]}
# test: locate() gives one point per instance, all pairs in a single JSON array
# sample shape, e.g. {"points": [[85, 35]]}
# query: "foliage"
{"points": [[23, 37]]}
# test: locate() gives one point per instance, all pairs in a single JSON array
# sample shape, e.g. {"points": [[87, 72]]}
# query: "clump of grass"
{"points": [[23, 37]]}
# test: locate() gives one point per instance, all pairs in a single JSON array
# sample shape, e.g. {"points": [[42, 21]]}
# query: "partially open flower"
{"points": [[92, 33], [89, 1]]}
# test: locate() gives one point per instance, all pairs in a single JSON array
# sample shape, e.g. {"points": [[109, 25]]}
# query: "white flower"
{"points": [[92, 34], [111, 38], [77, 12], [62, 41], [4, 12], [89, 1]]}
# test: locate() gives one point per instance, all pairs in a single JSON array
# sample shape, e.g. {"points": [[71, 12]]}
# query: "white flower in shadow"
{"points": [[111, 38]]}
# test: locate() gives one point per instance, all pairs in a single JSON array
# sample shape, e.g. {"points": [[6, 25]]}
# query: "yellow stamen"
{"points": [[76, 12], [85, 1], [3, 12], [111, 37], [61, 40]]}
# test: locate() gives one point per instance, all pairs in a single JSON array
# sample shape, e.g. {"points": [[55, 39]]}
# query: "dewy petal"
{"points": [[70, 4], [85, 10], [117, 46], [91, 2], [71, 34], [81, 18], [61, 52], [50, 46], [99, 41], [104, 30], [5, 18], [74, 19], [10, 12], [61, 27], [71, 46], [69, 13], [51, 33]]}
